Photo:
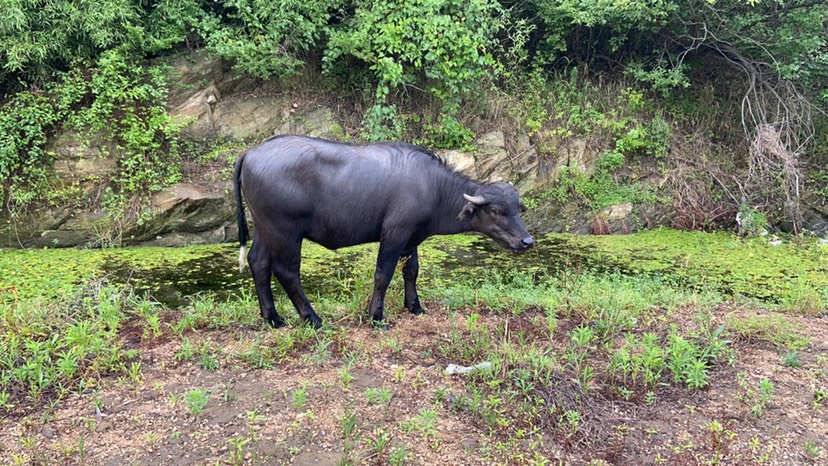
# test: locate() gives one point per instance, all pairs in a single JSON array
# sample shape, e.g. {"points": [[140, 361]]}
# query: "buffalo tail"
{"points": [[243, 233]]}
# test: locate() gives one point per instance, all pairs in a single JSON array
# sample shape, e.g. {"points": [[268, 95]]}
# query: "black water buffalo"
{"points": [[341, 195]]}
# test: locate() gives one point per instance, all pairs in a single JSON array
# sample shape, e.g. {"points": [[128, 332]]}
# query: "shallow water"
{"points": [[717, 261]]}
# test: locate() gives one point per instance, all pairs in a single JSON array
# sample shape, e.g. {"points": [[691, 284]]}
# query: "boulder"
{"points": [[80, 160], [197, 114], [241, 119], [616, 218], [314, 121], [460, 161], [26, 231], [815, 214], [527, 166], [80, 229], [492, 158], [189, 210], [191, 73]]}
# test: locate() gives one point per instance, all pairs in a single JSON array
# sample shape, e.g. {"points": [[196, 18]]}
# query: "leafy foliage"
{"points": [[114, 100], [267, 38], [419, 66], [443, 44]]}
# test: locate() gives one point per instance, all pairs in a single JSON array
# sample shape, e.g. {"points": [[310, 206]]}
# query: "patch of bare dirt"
{"points": [[254, 416]]}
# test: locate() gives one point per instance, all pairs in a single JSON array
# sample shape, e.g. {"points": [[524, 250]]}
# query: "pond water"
{"points": [[720, 261]]}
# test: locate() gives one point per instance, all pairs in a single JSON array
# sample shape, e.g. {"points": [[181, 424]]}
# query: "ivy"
{"points": [[114, 101]]}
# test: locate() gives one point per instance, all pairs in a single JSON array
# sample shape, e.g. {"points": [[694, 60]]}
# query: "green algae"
{"points": [[738, 267]]}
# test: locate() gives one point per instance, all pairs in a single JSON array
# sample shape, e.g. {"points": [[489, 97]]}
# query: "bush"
{"points": [[114, 99], [443, 46]]}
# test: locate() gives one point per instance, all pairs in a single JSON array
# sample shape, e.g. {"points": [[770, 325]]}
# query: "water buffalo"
{"points": [[340, 195]]}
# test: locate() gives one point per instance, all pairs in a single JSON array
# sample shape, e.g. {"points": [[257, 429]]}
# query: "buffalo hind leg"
{"points": [[260, 266], [410, 271], [286, 269]]}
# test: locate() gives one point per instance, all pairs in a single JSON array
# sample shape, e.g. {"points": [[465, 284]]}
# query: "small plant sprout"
{"points": [[299, 398], [812, 450], [791, 359], [378, 396]]}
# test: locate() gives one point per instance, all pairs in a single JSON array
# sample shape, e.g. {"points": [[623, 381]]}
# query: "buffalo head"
{"points": [[494, 210]]}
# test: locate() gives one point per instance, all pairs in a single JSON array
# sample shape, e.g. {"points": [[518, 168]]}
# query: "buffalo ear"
{"points": [[468, 210]]}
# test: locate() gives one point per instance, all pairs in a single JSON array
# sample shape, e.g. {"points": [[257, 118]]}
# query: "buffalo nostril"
{"points": [[528, 241]]}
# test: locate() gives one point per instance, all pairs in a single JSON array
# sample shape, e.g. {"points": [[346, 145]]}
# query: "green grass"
{"points": [[774, 329], [641, 314], [50, 347]]}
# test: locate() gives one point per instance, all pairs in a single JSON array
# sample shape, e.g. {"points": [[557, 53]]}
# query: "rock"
{"points": [[197, 113], [81, 162], [575, 155], [452, 369], [241, 119], [177, 239], [527, 164], [815, 214], [460, 161], [616, 218], [492, 158], [79, 229], [196, 214], [191, 73], [316, 122], [28, 230]]}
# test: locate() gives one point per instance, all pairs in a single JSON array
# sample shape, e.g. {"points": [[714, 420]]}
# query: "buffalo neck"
{"points": [[452, 203]]}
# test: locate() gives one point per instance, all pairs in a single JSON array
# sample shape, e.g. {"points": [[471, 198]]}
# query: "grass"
{"points": [[774, 329], [559, 344]]}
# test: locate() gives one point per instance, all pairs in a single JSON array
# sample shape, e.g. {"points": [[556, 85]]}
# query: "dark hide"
{"points": [[340, 195]]}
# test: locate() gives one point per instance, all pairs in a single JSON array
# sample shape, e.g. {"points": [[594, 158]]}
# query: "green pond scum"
{"points": [[791, 274]]}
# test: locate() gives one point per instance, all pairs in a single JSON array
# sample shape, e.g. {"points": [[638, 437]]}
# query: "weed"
{"points": [[186, 352], [253, 416], [350, 434], [791, 359], [812, 450], [775, 329], [398, 457], [380, 441], [299, 398], [424, 422], [756, 398], [820, 396], [258, 355], [378, 396], [345, 378], [197, 400], [237, 453]]}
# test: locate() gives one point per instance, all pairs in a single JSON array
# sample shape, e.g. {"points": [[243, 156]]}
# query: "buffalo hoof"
{"points": [[418, 311], [381, 325], [278, 322], [314, 321]]}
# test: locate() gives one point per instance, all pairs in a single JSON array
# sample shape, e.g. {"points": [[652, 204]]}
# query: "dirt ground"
{"points": [[253, 416]]}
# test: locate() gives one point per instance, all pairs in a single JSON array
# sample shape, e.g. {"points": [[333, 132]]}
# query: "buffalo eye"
{"points": [[498, 211]]}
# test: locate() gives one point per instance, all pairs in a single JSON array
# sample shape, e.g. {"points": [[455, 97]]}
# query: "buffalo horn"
{"points": [[476, 200]]}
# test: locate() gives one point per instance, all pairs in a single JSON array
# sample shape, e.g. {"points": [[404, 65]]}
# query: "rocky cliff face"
{"points": [[215, 104]]}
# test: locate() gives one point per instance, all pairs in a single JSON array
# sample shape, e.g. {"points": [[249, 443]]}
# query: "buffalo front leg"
{"points": [[386, 263], [260, 266], [410, 272], [286, 268]]}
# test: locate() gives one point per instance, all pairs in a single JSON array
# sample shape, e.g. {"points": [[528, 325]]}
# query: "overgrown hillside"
{"points": [[711, 108]]}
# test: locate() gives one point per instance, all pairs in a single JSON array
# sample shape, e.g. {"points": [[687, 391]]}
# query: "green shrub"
{"points": [[114, 100], [441, 46], [266, 39]]}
